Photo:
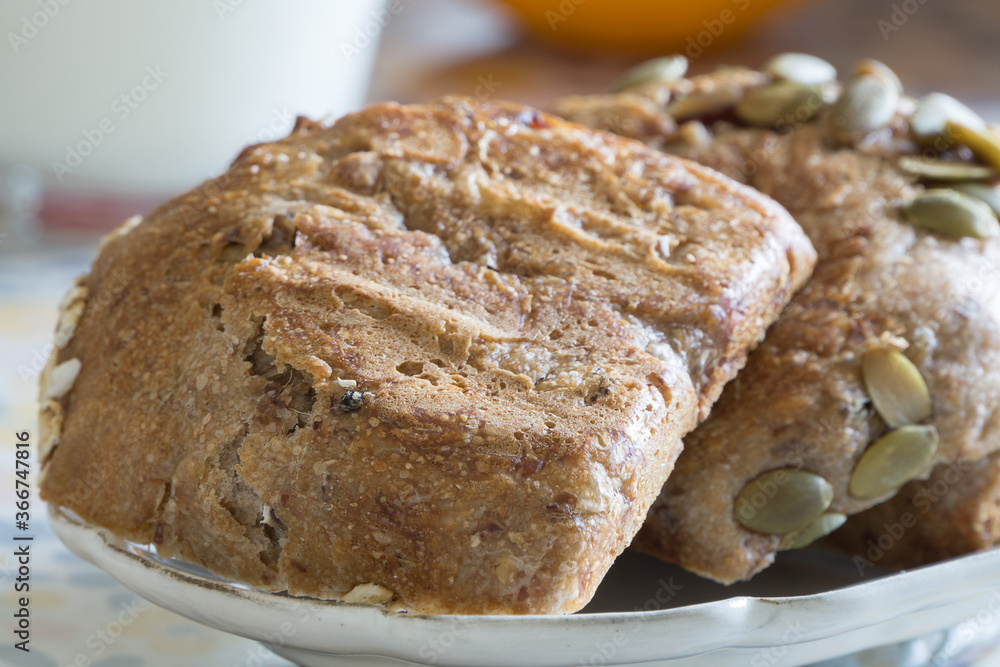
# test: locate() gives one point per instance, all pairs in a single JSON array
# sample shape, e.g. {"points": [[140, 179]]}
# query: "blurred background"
{"points": [[109, 107]]}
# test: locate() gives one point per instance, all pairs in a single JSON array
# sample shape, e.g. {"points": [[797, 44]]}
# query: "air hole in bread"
{"points": [[411, 367]]}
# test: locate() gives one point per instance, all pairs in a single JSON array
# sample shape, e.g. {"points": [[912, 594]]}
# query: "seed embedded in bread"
{"points": [[820, 527], [668, 68], [867, 104], [61, 379], [767, 105], [932, 114], [986, 193], [801, 68], [950, 212], [893, 460], [896, 387], [783, 501], [940, 170]]}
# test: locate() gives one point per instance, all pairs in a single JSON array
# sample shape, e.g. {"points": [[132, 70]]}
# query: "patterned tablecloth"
{"points": [[78, 614]]}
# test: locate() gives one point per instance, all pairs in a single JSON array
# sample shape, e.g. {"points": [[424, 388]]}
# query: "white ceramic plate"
{"points": [[809, 607]]}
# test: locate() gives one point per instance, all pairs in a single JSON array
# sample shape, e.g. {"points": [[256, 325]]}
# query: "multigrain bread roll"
{"points": [[436, 356], [888, 361]]}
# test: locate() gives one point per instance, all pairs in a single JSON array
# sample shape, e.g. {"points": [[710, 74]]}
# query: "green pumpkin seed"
{"points": [[767, 105], [821, 527], [892, 461], [867, 104], [783, 501], [986, 193], [669, 68], [983, 141], [949, 212], [895, 386], [869, 67], [939, 170], [703, 103], [930, 118], [801, 68]]}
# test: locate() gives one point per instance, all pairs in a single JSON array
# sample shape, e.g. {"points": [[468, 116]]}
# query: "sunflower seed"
{"points": [[930, 118], [895, 386], [869, 67], [893, 460], [940, 170], [867, 104], [783, 501], [766, 105], [801, 68], [986, 193], [669, 68], [949, 212], [820, 527], [984, 141]]}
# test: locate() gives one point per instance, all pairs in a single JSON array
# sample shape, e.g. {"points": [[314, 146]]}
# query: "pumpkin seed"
{"points": [[867, 104], [984, 141], [801, 68], [766, 105], [669, 68], [930, 118], [940, 170], [950, 212], [895, 386], [820, 527], [869, 67], [893, 460], [783, 501], [986, 193], [703, 103]]}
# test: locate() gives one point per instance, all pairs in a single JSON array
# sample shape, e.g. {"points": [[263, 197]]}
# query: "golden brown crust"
{"points": [[800, 402], [445, 351]]}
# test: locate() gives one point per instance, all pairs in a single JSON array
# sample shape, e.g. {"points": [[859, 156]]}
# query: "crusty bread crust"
{"points": [[801, 402], [439, 355]]}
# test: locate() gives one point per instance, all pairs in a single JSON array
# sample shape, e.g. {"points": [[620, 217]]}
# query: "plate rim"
{"points": [[750, 619]]}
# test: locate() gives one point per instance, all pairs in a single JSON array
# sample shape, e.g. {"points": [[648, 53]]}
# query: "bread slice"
{"points": [[437, 356], [881, 282]]}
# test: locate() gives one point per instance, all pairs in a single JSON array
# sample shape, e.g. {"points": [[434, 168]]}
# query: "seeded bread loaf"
{"points": [[954, 512], [888, 361], [435, 356]]}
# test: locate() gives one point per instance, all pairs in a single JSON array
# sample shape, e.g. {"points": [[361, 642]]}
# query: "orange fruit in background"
{"points": [[689, 27]]}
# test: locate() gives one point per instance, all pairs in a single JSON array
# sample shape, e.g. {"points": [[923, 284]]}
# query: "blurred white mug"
{"points": [[143, 97]]}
